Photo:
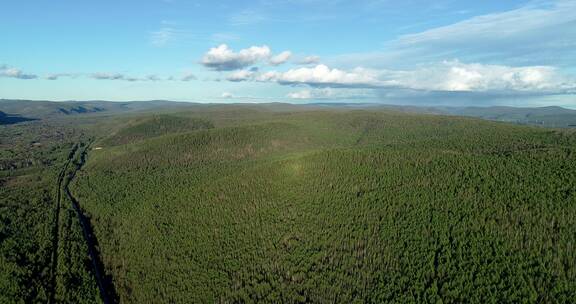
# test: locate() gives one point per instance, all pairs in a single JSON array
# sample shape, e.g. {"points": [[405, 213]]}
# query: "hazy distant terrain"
{"points": [[545, 116], [282, 203], [48, 109], [556, 117]]}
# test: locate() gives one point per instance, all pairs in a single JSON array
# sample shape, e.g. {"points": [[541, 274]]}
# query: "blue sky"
{"points": [[443, 52]]}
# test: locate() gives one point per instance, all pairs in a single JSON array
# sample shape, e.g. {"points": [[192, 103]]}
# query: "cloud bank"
{"points": [[323, 76], [331, 94], [114, 76], [11, 72], [448, 76]]}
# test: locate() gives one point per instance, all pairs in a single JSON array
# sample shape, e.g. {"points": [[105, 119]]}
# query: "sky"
{"points": [[413, 52]]}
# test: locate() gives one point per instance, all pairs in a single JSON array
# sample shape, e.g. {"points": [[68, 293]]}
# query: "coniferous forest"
{"points": [[267, 204]]}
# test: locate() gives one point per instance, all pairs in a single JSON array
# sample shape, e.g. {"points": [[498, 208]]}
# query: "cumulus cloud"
{"points": [[322, 75], [227, 95], [223, 58], [448, 76], [242, 75], [319, 76], [454, 76], [10, 72], [280, 58]]}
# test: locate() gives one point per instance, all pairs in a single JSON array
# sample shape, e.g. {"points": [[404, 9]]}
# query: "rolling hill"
{"points": [[327, 206], [280, 203]]}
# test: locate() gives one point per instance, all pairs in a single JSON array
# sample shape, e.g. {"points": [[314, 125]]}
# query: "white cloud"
{"points": [[454, 76], [497, 27], [540, 33], [112, 76], [227, 95], [322, 75], [222, 58], [448, 76], [280, 58], [9, 72], [304, 94], [242, 75], [332, 94], [123, 77], [313, 59]]}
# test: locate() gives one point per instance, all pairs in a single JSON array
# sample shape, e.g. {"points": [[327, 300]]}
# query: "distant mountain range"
{"points": [[50, 109], [556, 117], [545, 116], [14, 111]]}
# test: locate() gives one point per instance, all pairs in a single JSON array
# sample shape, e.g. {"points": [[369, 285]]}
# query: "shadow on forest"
{"points": [[9, 119]]}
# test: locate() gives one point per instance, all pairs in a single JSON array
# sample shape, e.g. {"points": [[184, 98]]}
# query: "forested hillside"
{"points": [[232, 204], [43, 256]]}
